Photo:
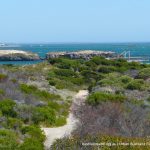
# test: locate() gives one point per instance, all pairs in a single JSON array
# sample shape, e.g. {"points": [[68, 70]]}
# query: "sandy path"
{"points": [[55, 133]]}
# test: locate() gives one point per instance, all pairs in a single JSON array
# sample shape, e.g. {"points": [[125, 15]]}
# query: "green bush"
{"points": [[98, 97], [34, 132], [8, 140], [14, 123], [68, 64], [77, 81], [24, 112], [46, 95], [44, 115], [111, 79], [41, 94], [64, 72], [7, 107], [34, 138], [54, 105], [87, 74], [144, 73], [101, 61], [2, 92], [60, 121], [136, 84], [54, 60], [106, 69], [125, 79], [14, 80], [76, 143], [28, 89], [3, 77], [52, 82], [148, 99], [31, 144]]}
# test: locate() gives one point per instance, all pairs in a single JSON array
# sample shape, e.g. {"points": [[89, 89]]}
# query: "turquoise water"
{"points": [[137, 49]]}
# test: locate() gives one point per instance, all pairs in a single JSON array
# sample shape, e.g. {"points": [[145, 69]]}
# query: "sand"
{"points": [[59, 132]]}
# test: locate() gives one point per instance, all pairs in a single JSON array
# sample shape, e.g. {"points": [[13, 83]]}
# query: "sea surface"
{"points": [[136, 49]]}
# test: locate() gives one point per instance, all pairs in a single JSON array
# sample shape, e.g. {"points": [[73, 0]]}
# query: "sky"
{"points": [[65, 21]]}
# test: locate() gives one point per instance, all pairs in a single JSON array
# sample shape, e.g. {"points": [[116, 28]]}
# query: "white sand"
{"points": [[59, 132]]}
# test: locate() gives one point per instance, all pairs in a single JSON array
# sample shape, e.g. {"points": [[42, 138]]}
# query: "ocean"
{"points": [[136, 49]]}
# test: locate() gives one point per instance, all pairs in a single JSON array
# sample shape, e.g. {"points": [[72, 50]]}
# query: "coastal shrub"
{"points": [[28, 89], [64, 65], [125, 79], [136, 84], [87, 74], [3, 77], [14, 123], [24, 112], [111, 79], [64, 72], [44, 115], [51, 75], [8, 140], [90, 64], [77, 81], [148, 99], [120, 63], [60, 121], [7, 107], [55, 60], [34, 138], [31, 144], [115, 79], [33, 131], [106, 69], [42, 94], [76, 142], [98, 97], [46, 95], [52, 82], [135, 65], [61, 84], [144, 73], [2, 92], [54, 105], [101, 61], [68, 64], [14, 80]]}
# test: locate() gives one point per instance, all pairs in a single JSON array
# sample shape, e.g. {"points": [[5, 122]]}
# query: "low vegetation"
{"points": [[99, 97], [118, 103]]}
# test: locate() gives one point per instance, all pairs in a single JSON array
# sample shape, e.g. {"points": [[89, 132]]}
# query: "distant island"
{"points": [[20, 55], [17, 55]]}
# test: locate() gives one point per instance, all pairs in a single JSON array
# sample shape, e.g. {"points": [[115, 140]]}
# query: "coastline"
{"points": [[25, 57]]}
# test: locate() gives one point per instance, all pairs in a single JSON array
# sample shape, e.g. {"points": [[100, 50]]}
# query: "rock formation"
{"points": [[17, 55], [85, 54]]}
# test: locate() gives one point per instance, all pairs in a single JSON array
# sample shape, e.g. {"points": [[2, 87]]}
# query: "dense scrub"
{"points": [[107, 143], [118, 103], [99, 97], [24, 108]]}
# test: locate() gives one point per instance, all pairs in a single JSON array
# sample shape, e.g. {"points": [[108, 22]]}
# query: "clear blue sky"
{"points": [[74, 20]]}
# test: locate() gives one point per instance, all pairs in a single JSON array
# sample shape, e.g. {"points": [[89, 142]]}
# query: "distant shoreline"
{"points": [[139, 49]]}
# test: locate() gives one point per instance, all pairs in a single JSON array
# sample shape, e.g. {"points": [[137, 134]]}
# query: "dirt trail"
{"points": [[59, 132]]}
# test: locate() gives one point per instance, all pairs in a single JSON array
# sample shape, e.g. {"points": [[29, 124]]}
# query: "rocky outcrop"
{"points": [[17, 55], [85, 54]]}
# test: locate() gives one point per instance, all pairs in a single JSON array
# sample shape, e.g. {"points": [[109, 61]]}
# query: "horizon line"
{"points": [[125, 42]]}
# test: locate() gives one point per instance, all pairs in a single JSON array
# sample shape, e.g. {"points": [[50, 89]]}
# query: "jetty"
{"points": [[127, 55]]}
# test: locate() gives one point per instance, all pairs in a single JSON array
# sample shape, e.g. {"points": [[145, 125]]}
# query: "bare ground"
{"points": [[59, 132]]}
